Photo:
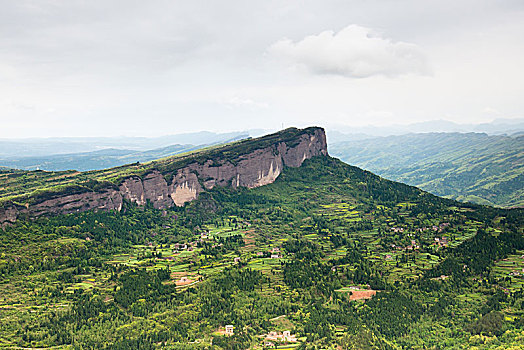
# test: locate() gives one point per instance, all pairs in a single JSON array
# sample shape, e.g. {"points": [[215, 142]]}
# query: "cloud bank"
{"points": [[354, 51]]}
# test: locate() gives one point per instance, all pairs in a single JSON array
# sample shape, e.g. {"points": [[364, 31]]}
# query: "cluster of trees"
{"points": [[222, 245], [474, 256]]}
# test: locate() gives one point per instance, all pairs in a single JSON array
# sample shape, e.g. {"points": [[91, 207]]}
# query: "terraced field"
{"points": [[510, 271]]}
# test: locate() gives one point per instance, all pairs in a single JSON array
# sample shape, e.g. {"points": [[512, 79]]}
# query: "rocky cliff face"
{"points": [[260, 166]]}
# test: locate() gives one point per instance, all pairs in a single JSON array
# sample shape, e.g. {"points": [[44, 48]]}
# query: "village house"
{"points": [[180, 246], [443, 242], [229, 329], [275, 256], [236, 260], [285, 336]]}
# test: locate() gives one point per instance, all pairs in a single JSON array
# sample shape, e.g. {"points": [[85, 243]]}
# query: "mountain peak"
{"points": [[166, 182]]}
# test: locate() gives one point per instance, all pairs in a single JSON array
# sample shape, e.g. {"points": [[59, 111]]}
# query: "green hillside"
{"points": [[338, 256], [468, 167]]}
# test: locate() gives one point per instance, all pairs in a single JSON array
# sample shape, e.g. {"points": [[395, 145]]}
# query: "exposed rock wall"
{"points": [[257, 168]]}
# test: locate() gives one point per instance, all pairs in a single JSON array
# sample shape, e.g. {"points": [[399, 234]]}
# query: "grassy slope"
{"points": [[467, 167]]}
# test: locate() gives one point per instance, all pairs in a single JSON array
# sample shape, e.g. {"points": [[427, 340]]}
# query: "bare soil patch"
{"points": [[362, 294]]}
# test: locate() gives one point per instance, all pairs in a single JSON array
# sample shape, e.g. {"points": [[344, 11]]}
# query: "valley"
{"points": [[469, 167]]}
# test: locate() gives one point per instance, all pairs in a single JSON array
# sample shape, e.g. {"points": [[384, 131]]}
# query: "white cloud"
{"points": [[354, 51], [491, 111], [241, 102]]}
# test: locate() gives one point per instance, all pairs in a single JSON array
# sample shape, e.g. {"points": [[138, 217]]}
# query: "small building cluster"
{"points": [[285, 336], [273, 254], [413, 245], [180, 246], [441, 242]]}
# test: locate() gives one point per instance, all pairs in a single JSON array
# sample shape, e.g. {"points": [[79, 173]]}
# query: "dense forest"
{"points": [[334, 255]]}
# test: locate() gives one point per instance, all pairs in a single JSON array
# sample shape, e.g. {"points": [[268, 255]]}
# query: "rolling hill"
{"points": [[469, 167]]}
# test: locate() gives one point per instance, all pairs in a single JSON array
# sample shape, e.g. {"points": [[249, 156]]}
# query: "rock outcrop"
{"points": [[258, 167]]}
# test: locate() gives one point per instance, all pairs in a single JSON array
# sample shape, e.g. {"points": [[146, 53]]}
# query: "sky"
{"points": [[150, 68]]}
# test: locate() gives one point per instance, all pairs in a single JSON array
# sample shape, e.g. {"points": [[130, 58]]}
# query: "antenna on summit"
{"points": [[282, 126]]}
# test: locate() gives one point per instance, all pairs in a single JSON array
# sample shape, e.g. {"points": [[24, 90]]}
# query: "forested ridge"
{"points": [[337, 256]]}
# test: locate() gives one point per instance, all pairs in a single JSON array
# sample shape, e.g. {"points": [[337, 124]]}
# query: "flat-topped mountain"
{"points": [[164, 183]]}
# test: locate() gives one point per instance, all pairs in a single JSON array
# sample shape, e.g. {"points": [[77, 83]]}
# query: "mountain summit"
{"points": [[164, 183]]}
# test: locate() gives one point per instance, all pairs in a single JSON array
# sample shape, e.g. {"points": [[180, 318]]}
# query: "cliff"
{"points": [[177, 180]]}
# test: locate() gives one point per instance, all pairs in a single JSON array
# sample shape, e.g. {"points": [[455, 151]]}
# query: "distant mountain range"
{"points": [[36, 147], [473, 167], [93, 160], [496, 127], [102, 158]]}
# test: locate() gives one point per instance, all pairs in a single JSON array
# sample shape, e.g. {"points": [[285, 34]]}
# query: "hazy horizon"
{"points": [[437, 125]]}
